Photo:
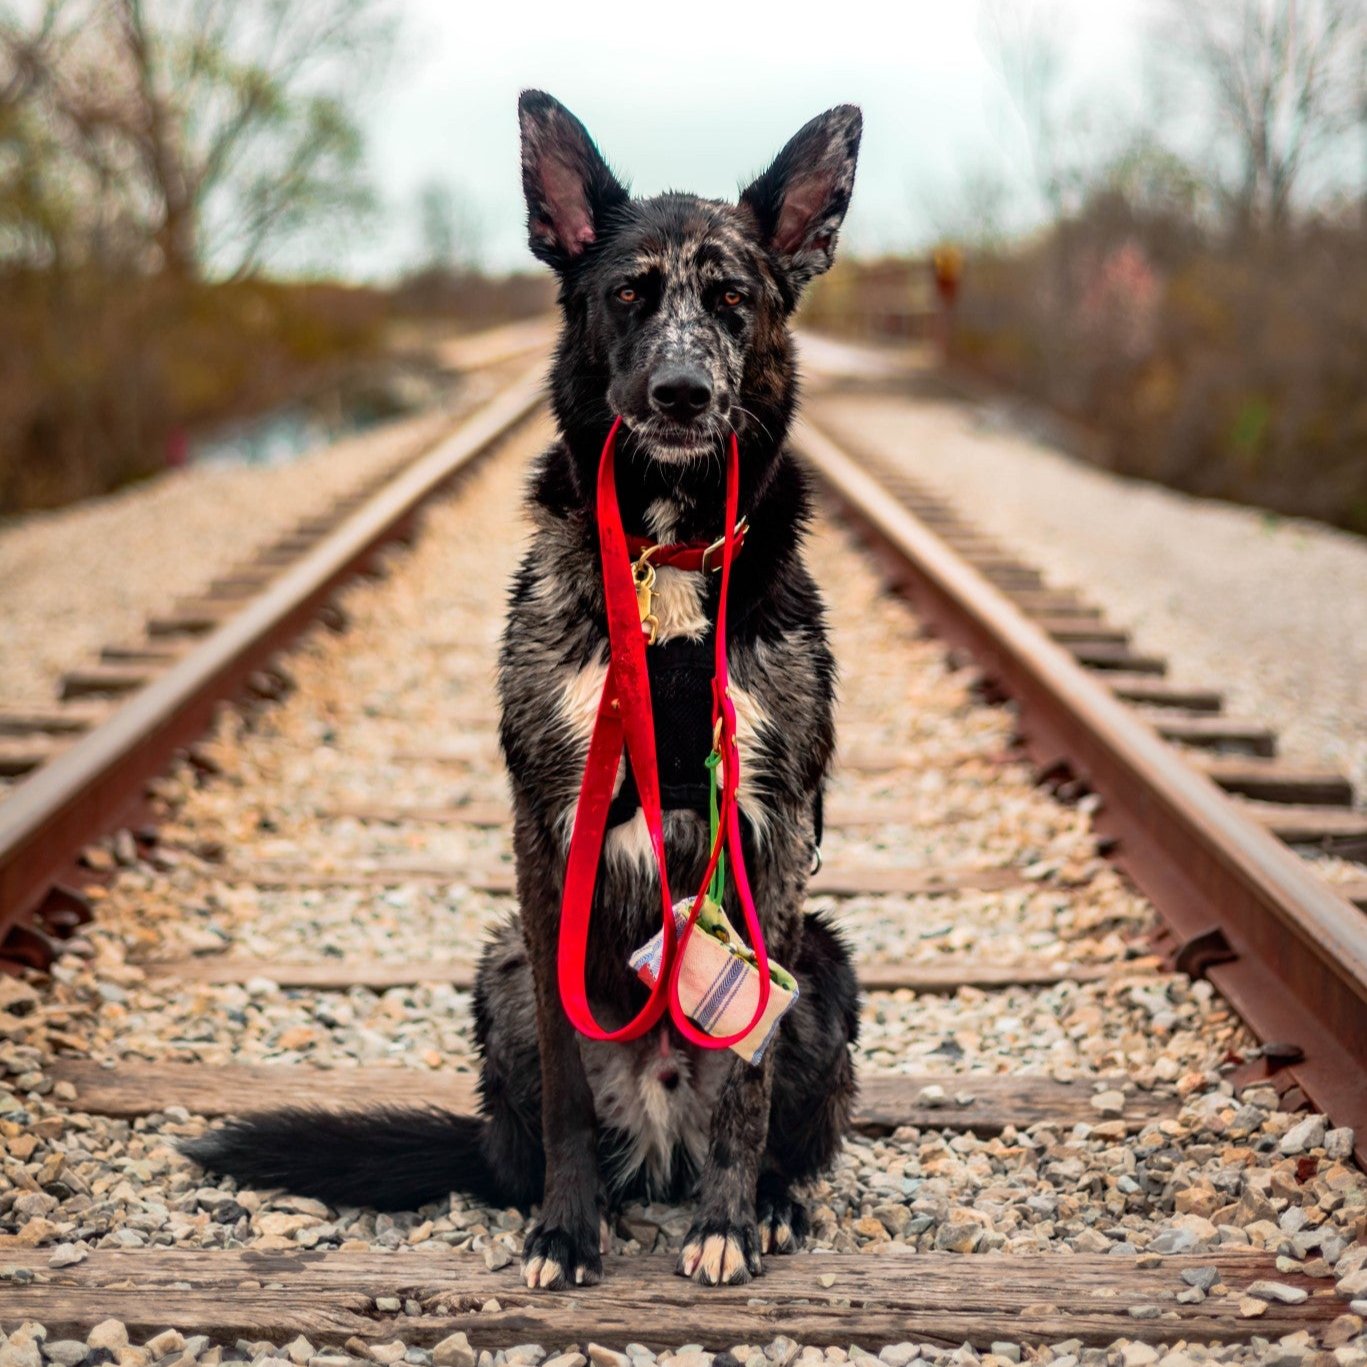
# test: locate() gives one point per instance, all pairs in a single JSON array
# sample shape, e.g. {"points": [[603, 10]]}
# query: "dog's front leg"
{"points": [[722, 1247], [563, 1248]]}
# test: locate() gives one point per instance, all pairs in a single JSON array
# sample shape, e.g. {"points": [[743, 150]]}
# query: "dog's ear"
{"points": [[799, 203], [568, 185]]}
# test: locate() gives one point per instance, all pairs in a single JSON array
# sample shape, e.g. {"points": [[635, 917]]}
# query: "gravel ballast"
{"points": [[396, 711], [1271, 610], [79, 578]]}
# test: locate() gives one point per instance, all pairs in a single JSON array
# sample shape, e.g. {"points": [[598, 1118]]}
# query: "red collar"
{"points": [[685, 555]]}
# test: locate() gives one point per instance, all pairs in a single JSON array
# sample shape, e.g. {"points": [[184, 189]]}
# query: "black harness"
{"points": [[680, 672]]}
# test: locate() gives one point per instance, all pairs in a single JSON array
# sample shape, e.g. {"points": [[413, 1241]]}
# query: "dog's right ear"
{"points": [[569, 188]]}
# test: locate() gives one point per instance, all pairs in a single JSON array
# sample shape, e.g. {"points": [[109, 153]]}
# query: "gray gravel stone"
{"points": [[1202, 1277], [1306, 1134], [66, 1352]]}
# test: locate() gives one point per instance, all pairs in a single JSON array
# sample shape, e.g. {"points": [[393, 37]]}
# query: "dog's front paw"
{"points": [[783, 1223], [721, 1252], [555, 1257]]}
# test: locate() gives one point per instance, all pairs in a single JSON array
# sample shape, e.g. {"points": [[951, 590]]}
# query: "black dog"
{"points": [[675, 319]]}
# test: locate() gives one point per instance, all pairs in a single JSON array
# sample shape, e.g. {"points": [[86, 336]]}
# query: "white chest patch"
{"points": [[677, 604], [751, 719], [579, 698]]}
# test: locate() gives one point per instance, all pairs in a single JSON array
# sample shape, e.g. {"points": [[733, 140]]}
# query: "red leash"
{"points": [[626, 720]]}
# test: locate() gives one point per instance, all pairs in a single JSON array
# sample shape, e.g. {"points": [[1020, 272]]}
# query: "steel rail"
{"points": [[90, 788], [1297, 972]]}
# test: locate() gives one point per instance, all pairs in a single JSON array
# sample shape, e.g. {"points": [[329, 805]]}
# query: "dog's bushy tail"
{"points": [[392, 1158]]}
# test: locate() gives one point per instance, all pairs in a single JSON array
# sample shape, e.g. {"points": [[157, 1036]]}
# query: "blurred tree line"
{"points": [[156, 156], [1197, 296]]}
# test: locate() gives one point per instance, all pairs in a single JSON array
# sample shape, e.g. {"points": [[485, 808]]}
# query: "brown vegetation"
{"points": [[151, 155], [1234, 371], [1207, 319], [106, 379]]}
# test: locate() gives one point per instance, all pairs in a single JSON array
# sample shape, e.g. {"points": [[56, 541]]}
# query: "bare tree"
{"points": [[450, 227], [1285, 78], [1024, 41], [205, 128], [974, 211]]}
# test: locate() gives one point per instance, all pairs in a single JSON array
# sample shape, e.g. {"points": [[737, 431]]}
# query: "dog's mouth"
{"points": [[674, 442]]}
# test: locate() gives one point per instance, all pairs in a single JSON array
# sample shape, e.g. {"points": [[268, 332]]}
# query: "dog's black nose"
{"points": [[680, 392]]}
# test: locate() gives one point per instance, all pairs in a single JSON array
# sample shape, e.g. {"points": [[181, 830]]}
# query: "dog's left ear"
{"points": [[569, 189], [800, 201]]}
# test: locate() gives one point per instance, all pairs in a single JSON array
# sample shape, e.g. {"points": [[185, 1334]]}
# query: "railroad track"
{"points": [[292, 914]]}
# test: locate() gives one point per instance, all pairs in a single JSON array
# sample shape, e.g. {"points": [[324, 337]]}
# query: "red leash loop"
{"points": [[626, 720]]}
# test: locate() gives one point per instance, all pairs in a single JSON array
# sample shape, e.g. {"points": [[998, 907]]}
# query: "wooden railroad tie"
{"points": [[20, 757], [991, 1101], [64, 719], [105, 680], [820, 1298], [833, 880], [879, 975], [1339, 829]]}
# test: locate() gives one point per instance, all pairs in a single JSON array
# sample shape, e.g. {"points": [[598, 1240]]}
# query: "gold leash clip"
{"points": [[643, 576]]}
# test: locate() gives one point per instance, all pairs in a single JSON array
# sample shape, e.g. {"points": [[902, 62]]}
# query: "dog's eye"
{"points": [[732, 298], [627, 295]]}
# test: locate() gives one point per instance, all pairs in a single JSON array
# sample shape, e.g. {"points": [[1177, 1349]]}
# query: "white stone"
{"points": [[1353, 1286], [454, 1351], [111, 1334], [1338, 1144], [899, 1354], [1306, 1134], [1279, 1291]]}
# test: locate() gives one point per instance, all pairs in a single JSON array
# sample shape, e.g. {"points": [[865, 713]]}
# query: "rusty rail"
{"points": [[1298, 967], [89, 789]]}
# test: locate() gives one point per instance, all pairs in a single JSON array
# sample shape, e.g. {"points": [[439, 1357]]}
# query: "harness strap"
{"points": [[625, 720]]}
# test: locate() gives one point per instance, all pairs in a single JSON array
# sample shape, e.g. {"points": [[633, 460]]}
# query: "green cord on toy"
{"points": [[716, 890]]}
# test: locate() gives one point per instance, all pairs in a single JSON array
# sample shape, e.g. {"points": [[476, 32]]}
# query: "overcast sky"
{"points": [[700, 94]]}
